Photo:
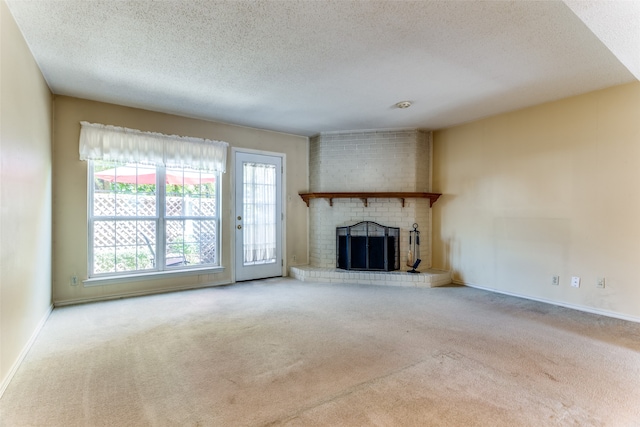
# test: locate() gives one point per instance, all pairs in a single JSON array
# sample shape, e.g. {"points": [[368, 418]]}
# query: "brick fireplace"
{"points": [[368, 161]]}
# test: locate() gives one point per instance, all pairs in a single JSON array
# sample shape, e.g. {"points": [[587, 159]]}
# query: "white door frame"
{"points": [[234, 214]]}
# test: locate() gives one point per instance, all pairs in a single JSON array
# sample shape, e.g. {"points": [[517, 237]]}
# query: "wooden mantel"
{"points": [[375, 195]]}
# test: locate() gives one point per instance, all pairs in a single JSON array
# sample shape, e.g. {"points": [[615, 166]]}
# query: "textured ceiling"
{"points": [[305, 67]]}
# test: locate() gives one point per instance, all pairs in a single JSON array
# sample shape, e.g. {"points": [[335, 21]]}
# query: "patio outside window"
{"points": [[153, 200], [151, 218]]}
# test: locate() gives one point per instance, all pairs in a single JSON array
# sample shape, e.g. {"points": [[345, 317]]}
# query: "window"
{"points": [[153, 200], [151, 218]]}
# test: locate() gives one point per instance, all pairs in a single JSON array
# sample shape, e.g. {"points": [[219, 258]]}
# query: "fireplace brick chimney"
{"points": [[369, 161]]}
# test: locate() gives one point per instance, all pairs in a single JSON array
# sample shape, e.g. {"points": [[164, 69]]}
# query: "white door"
{"points": [[258, 216]]}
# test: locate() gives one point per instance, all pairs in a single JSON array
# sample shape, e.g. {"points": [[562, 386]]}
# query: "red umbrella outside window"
{"points": [[143, 175]]}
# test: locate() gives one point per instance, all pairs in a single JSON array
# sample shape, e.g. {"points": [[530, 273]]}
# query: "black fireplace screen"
{"points": [[368, 246]]}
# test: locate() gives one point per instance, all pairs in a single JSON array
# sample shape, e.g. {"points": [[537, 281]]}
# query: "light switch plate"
{"points": [[575, 281]]}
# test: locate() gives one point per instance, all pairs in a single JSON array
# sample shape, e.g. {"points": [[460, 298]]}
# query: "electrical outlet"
{"points": [[555, 280], [600, 283], [294, 258], [575, 281], [74, 280]]}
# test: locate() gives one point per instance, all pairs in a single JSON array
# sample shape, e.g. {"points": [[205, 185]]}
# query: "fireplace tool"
{"points": [[410, 253], [414, 249]]}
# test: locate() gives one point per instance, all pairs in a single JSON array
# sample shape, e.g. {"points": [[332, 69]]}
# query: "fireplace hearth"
{"points": [[368, 246]]}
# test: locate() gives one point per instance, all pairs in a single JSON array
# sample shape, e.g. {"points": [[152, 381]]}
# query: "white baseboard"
{"points": [[586, 309], [25, 350], [62, 303]]}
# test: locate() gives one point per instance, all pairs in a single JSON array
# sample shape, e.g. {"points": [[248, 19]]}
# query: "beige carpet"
{"points": [[286, 353]]}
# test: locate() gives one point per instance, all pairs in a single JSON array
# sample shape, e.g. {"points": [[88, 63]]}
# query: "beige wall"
{"points": [[549, 190], [25, 196], [70, 192]]}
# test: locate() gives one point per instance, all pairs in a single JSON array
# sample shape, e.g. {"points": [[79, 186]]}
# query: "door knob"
{"points": [[239, 227]]}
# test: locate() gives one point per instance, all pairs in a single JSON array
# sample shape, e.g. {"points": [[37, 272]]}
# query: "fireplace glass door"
{"points": [[368, 246]]}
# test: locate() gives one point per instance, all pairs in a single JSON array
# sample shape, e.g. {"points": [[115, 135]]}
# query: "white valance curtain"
{"points": [[105, 142]]}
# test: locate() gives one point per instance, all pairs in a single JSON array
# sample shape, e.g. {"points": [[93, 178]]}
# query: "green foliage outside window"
{"points": [[113, 200]]}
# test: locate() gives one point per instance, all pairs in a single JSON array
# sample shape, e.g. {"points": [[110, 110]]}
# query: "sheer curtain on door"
{"points": [[259, 213]]}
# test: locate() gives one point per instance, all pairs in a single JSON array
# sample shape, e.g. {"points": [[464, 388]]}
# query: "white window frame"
{"points": [[160, 270]]}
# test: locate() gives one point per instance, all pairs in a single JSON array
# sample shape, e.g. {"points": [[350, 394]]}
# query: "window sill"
{"points": [[112, 280]]}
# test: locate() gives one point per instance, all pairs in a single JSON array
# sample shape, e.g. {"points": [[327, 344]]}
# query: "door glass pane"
{"points": [[259, 219]]}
